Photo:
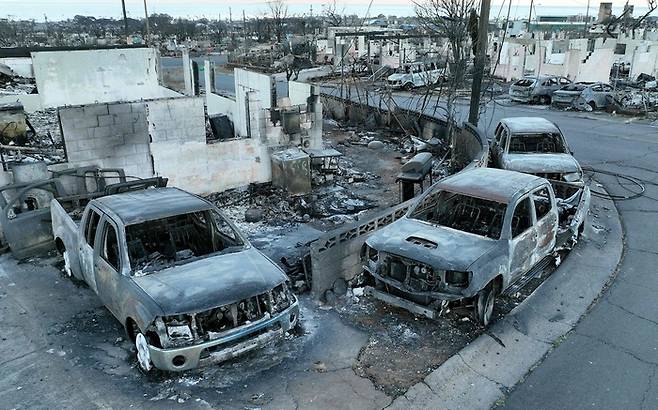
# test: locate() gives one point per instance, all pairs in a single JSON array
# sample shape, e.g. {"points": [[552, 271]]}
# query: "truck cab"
{"points": [[186, 285], [472, 236]]}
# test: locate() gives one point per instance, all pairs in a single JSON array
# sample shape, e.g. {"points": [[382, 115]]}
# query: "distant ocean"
{"points": [[57, 10]]}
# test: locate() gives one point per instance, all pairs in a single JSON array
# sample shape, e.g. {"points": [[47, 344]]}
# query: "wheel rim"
{"points": [[143, 355], [67, 264], [488, 308]]}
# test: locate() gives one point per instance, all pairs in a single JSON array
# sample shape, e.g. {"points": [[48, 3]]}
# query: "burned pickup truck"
{"points": [[470, 237], [186, 285], [536, 146]]}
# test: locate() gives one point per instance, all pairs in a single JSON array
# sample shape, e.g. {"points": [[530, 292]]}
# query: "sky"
{"points": [[62, 9]]}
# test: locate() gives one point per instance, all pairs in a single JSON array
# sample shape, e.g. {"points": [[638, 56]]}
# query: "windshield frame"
{"points": [[213, 213], [535, 134], [413, 211]]}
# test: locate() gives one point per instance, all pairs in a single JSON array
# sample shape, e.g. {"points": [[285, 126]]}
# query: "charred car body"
{"points": [[536, 146], [595, 95], [471, 236], [536, 89], [187, 286]]}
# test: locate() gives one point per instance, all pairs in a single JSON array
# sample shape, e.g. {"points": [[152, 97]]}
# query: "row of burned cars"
{"points": [[189, 288], [484, 231], [561, 92]]}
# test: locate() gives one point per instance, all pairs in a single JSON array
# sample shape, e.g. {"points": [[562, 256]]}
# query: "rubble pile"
{"points": [[634, 101], [16, 85], [45, 141], [267, 205]]}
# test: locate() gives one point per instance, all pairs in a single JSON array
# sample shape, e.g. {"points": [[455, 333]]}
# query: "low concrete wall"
{"points": [[405, 120], [337, 254], [470, 148]]}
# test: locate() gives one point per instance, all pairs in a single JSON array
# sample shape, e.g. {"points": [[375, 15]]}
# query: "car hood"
{"points": [[211, 282], [455, 250], [541, 163]]}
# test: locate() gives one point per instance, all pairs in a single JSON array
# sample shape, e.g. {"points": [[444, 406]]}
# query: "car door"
{"points": [[498, 149], [86, 238], [546, 217], [523, 242], [108, 264], [601, 98]]}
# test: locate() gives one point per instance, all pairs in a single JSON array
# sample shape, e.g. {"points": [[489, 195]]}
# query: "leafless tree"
{"points": [[449, 19], [279, 13], [333, 16]]}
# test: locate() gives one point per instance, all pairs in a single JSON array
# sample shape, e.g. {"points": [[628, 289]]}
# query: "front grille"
{"points": [[244, 312], [413, 275]]}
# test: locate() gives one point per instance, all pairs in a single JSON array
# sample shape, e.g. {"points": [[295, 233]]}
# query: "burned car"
{"points": [[471, 236], [536, 89], [536, 146], [594, 95], [186, 285]]}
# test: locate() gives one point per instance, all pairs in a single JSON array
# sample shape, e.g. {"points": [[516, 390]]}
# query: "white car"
{"points": [[416, 75]]}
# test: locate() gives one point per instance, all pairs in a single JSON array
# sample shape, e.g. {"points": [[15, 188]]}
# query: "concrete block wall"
{"points": [[337, 254], [176, 120], [111, 135]]}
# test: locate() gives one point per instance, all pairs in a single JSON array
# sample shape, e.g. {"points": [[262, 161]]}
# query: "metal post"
{"points": [[476, 90], [125, 19], [148, 34], [586, 19]]}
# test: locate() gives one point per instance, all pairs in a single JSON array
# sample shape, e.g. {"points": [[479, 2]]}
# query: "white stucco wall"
{"points": [[260, 88], [97, 76], [298, 92]]}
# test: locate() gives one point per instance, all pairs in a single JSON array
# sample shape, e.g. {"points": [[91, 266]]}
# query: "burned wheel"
{"points": [[545, 100], [67, 263], [142, 352], [484, 304], [408, 87]]}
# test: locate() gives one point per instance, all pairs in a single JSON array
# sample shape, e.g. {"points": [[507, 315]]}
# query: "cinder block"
{"points": [[74, 134], [85, 122], [137, 107], [83, 155], [113, 141], [96, 109], [120, 108], [125, 127], [102, 132], [141, 127], [105, 120], [71, 112]]}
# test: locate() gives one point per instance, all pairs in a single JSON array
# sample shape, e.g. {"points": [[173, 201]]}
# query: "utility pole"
{"points": [[148, 34], [530, 15], [586, 19], [476, 90], [125, 19]]}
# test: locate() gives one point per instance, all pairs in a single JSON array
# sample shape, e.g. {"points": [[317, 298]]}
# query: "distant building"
{"points": [[605, 11]]}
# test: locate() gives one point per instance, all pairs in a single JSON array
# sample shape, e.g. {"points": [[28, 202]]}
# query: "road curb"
{"points": [[480, 375]]}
